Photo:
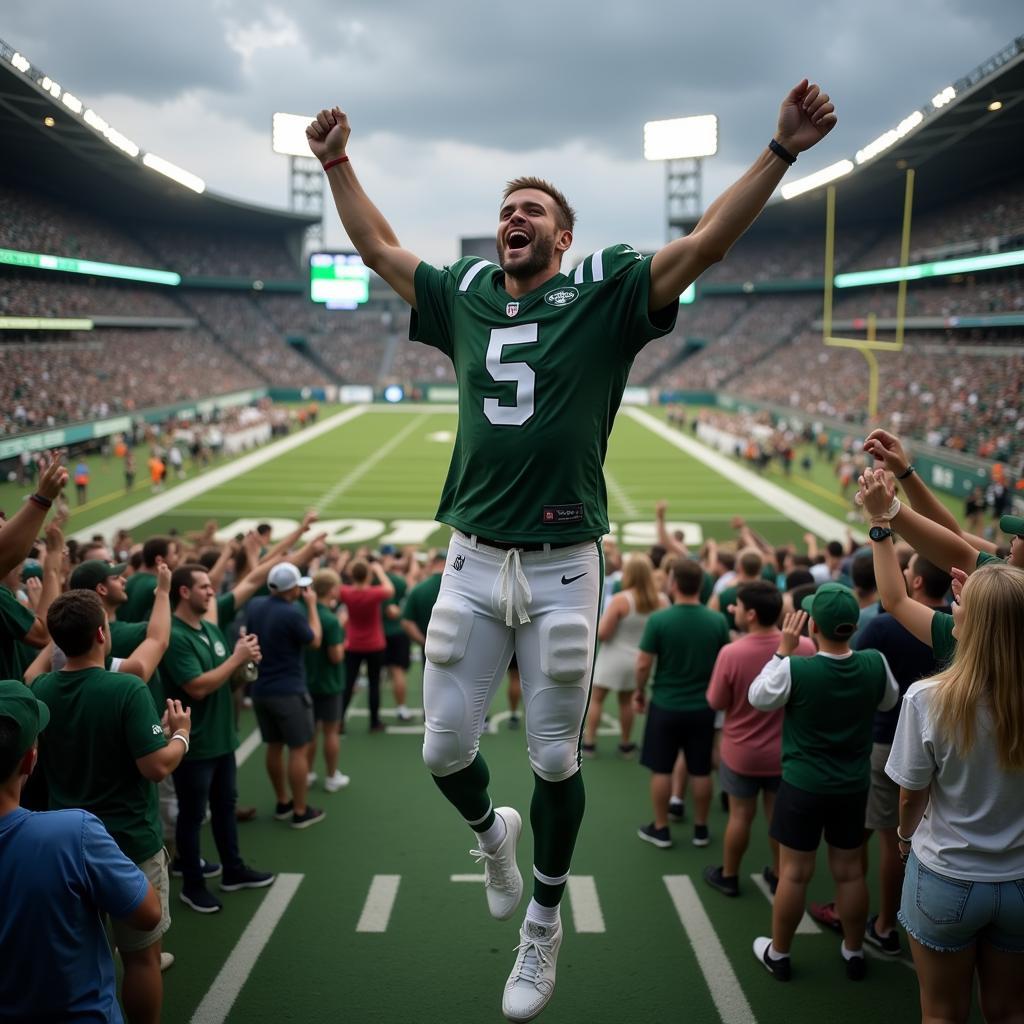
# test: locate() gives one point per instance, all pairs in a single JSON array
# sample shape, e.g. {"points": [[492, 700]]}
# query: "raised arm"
{"points": [[364, 224], [805, 118], [18, 533], [143, 661], [665, 539]]}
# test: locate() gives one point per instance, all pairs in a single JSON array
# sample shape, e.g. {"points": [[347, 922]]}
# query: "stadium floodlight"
{"points": [[995, 105], [681, 138], [51, 87], [123, 143], [93, 120], [941, 268], [174, 172], [940, 99], [72, 102], [70, 265], [812, 181], [889, 138], [20, 62], [289, 134]]}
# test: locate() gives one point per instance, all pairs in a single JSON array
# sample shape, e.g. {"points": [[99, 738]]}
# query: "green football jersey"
{"points": [[540, 381]]}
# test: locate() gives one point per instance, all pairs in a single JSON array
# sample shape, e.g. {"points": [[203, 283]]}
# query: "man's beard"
{"points": [[540, 259]]}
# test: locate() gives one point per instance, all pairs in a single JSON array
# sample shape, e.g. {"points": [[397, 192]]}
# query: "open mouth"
{"points": [[517, 239]]}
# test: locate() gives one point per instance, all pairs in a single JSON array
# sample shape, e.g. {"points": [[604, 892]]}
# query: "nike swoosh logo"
{"points": [[572, 579]]}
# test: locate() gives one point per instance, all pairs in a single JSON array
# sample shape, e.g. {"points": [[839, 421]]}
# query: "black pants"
{"points": [[374, 663], [195, 782]]}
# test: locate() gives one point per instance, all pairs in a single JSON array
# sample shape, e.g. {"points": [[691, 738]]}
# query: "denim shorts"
{"points": [[948, 914]]}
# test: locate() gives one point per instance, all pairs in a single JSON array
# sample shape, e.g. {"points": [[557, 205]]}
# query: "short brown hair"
{"points": [[565, 215], [73, 619], [689, 576], [184, 576]]}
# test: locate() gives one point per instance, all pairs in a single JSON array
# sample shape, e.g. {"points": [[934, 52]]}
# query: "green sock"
{"points": [[555, 814], [467, 791]]}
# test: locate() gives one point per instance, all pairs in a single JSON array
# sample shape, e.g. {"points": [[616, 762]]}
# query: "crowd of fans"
{"points": [[24, 295], [193, 252], [821, 682]]}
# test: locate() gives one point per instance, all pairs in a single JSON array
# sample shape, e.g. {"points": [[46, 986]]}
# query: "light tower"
{"points": [[681, 143], [305, 176]]}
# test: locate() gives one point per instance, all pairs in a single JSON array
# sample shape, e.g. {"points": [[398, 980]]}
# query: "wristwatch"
{"points": [[879, 533]]}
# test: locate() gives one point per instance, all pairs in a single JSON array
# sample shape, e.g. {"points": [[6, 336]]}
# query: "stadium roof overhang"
{"points": [[73, 161], [960, 149]]}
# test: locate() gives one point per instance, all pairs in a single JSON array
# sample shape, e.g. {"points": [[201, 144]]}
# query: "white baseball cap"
{"points": [[284, 576]]}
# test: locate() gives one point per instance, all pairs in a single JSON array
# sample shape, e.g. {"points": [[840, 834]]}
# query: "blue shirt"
{"points": [[59, 870], [284, 633]]}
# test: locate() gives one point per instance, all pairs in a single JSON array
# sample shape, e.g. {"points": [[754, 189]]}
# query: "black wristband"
{"points": [[781, 152], [39, 500], [907, 472]]}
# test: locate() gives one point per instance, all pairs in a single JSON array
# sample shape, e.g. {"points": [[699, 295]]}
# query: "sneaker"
{"points": [[502, 881], [245, 878], [247, 813], [210, 870], [887, 944], [781, 970], [282, 812], [768, 874], [201, 900], [335, 782], [531, 984], [728, 885], [378, 727], [660, 837], [166, 961], [311, 778], [701, 836], [311, 816], [513, 721], [825, 914], [627, 750], [856, 967], [676, 811], [405, 715], [589, 749]]}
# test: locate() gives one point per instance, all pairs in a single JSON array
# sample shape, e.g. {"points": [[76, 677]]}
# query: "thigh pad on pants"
{"points": [[451, 623], [565, 647]]}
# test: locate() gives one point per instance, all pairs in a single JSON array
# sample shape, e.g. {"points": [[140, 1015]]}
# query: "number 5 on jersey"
{"points": [[521, 374]]}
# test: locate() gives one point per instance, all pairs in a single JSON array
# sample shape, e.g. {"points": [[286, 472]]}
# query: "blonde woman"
{"points": [[958, 758], [619, 631]]}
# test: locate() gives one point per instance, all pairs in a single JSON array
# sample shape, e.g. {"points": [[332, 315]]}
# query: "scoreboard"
{"points": [[340, 280]]}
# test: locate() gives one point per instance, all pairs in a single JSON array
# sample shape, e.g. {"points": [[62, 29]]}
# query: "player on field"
{"points": [[542, 358]]}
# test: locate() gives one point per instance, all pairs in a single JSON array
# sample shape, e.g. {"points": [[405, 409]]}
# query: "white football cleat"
{"points": [[502, 881], [531, 984], [335, 782]]}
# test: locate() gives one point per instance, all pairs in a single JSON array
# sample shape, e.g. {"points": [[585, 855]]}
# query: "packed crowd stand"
{"points": [[839, 686]]}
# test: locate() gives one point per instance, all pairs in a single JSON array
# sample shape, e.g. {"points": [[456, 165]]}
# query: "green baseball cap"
{"points": [[89, 575], [1012, 524], [834, 609], [29, 715], [31, 569]]}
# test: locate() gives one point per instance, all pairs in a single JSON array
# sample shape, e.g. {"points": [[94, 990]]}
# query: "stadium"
{"points": [[207, 365]]}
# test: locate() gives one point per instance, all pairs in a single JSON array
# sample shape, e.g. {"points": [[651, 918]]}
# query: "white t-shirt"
{"points": [[973, 828]]}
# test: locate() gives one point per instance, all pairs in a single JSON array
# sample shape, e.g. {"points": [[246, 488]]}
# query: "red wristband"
{"points": [[335, 162]]}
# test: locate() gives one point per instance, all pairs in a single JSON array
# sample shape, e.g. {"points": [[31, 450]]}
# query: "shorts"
{"points": [[746, 787], [883, 809], [948, 914], [326, 707], [285, 719], [397, 652], [668, 732], [800, 818], [131, 940]]}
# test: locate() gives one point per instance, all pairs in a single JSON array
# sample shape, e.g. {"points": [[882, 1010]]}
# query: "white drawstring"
{"points": [[515, 589]]}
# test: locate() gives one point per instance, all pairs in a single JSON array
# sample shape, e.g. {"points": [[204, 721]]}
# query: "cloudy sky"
{"points": [[449, 99]]}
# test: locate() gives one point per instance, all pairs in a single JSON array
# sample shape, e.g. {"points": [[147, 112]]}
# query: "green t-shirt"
{"points": [[100, 723], [322, 678], [726, 597], [826, 733], [393, 627], [685, 639], [540, 381], [140, 588], [190, 653], [125, 637], [15, 622], [421, 600], [943, 641]]}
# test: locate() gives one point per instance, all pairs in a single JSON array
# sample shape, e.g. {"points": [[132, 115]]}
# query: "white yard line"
{"points": [[217, 1002], [347, 481], [618, 494], [379, 902], [160, 504], [721, 980], [806, 925], [467, 878], [247, 747], [796, 509], [586, 907]]}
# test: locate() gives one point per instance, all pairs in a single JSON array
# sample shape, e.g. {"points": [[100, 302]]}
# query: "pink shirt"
{"points": [[751, 739]]}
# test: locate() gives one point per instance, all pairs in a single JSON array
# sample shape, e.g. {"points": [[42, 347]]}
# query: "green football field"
{"points": [[377, 915]]}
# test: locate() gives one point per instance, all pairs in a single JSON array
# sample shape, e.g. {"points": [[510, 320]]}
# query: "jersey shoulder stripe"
{"points": [[472, 273], [605, 264]]}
